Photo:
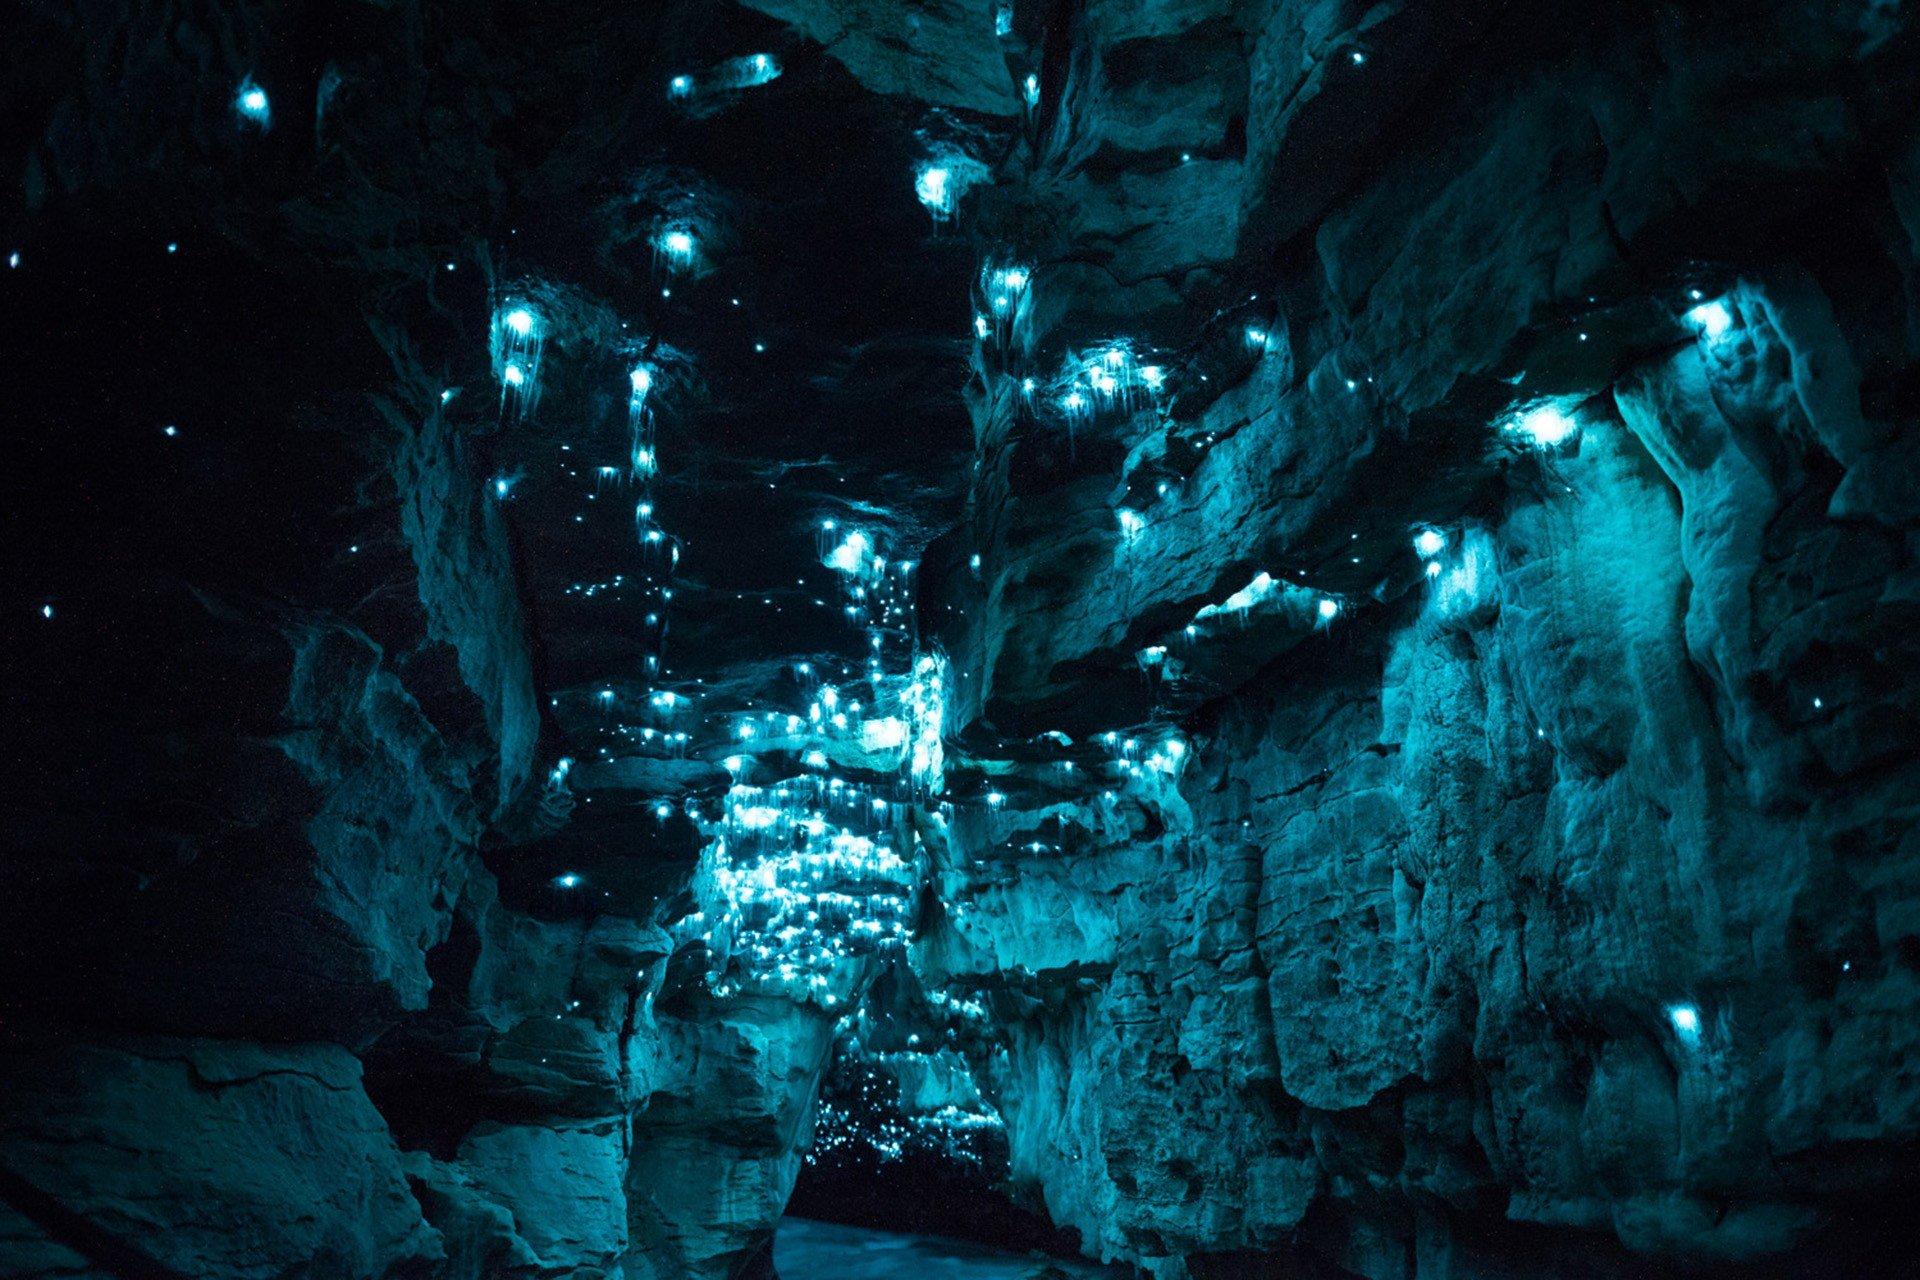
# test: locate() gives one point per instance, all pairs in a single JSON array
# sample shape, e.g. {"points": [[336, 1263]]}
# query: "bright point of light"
{"points": [[1329, 609], [514, 376], [815, 760], [1429, 543], [520, 320], [680, 86], [931, 187], [981, 328], [1026, 386], [169, 431], [1014, 278], [995, 799], [973, 562], [849, 555], [446, 395], [173, 246], [13, 260], [1545, 425], [1153, 376], [251, 102], [642, 378], [1256, 337], [1131, 521], [567, 881], [1032, 90], [1711, 318], [501, 487], [1358, 57], [678, 242], [761, 62], [1695, 294], [46, 611], [1686, 1021]]}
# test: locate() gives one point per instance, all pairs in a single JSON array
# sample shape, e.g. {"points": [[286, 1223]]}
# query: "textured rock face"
{"points": [[1428, 590], [198, 1157], [1564, 886]]}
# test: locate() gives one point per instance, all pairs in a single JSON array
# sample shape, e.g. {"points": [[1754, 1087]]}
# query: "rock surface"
{"points": [[1372, 728]]}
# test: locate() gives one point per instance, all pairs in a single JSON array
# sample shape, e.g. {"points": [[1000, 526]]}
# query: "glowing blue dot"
{"points": [[46, 611], [520, 320], [173, 246], [1358, 57], [680, 86], [1256, 337], [13, 260], [1429, 543], [251, 103], [642, 379], [170, 431], [1686, 1021], [931, 187], [1329, 609], [1711, 318], [1545, 425], [567, 881]]}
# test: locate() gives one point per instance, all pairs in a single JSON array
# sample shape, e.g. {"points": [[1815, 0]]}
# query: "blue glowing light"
{"points": [[1429, 543], [13, 261], [1256, 338], [520, 320], [250, 103], [170, 431], [674, 249], [514, 376], [1711, 318], [46, 611], [1545, 425], [1686, 1022], [680, 86], [566, 881], [931, 187], [1329, 609], [1030, 91]]}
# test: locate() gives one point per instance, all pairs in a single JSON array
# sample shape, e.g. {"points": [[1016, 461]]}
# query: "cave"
{"points": [[961, 640]]}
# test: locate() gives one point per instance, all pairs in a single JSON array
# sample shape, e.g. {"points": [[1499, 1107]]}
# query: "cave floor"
{"points": [[804, 1249]]}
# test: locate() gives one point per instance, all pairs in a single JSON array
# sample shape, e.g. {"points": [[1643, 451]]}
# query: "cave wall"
{"points": [[1543, 903], [1547, 908]]}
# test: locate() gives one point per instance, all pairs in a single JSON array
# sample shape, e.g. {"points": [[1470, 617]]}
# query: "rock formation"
{"points": [[1259, 639]]}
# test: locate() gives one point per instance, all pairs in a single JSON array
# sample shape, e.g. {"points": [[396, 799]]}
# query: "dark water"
{"points": [[807, 1250]]}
